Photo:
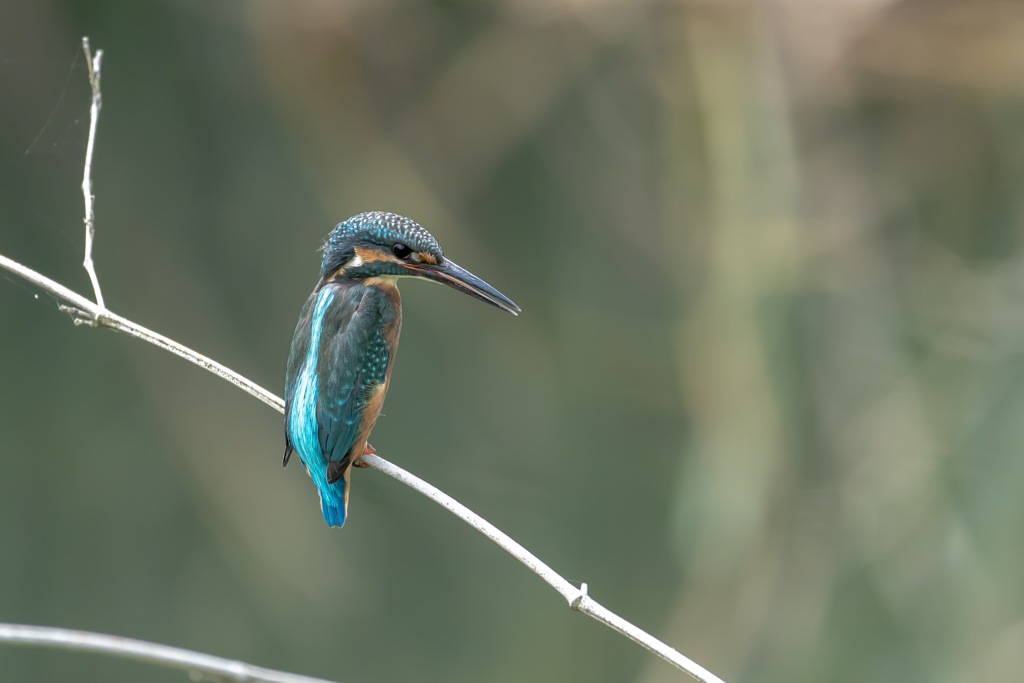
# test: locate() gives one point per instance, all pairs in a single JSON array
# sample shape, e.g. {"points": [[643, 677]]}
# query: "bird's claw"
{"points": [[367, 450]]}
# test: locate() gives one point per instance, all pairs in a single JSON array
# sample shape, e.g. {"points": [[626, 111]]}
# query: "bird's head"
{"points": [[378, 247]]}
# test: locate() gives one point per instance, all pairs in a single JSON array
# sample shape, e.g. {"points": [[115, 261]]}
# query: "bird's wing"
{"points": [[299, 347], [296, 358], [352, 363]]}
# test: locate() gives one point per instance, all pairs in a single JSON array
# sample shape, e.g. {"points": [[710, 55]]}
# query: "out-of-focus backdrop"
{"points": [[766, 396]]}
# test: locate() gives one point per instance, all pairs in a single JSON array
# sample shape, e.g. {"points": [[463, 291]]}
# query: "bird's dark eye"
{"points": [[400, 250]]}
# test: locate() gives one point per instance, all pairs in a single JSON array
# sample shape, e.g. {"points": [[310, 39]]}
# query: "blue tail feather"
{"points": [[334, 503]]}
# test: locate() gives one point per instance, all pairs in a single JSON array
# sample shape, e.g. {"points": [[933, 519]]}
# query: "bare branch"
{"points": [[93, 62], [199, 666], [85, 312], [577, 598]]}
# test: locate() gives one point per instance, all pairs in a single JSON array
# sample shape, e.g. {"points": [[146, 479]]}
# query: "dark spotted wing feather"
{"points": [[353, 361]]}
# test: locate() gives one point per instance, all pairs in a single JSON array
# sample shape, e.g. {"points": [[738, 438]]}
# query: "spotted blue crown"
{"points": [[379, 228]]}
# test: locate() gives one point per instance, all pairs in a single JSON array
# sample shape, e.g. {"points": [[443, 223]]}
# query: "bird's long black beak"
{"points": [[456, 277]]}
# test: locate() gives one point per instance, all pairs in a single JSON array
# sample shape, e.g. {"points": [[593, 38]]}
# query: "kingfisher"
{"points": [[343, 349]]}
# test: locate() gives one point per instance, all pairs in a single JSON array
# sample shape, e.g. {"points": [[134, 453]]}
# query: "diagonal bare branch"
{"points": [[577, 598], [85, 312]]}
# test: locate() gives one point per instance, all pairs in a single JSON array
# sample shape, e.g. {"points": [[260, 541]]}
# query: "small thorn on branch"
{"points": [[578, 600], [80, 316]]}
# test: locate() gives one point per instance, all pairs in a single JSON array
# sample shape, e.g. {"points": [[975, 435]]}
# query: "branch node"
{"points": [[578, 600]]}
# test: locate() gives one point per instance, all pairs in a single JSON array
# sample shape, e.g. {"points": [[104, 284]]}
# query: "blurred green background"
{"points": [[766, 396]]}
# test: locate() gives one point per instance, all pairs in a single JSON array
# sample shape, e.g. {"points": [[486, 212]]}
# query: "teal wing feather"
{"points": [[353, 361], [299, 347], [339, 357], [296, 357]]}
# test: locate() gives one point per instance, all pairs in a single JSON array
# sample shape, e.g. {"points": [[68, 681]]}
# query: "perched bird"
{"points": [[345, 341]]}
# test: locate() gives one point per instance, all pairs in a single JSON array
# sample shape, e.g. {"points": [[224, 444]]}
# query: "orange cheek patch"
{"points": [[427, 257], [363, 256], [372, 255]]}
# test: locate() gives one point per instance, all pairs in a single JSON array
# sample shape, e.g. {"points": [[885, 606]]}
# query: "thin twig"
{"points": [[85, 312], [93, 63], [199, 666]]}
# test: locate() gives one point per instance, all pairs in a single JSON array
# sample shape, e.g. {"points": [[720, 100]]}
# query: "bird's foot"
{"points": [[367, 450]]}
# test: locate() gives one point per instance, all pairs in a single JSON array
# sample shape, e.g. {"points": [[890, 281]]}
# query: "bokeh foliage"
{"points": [[766, 397]]}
